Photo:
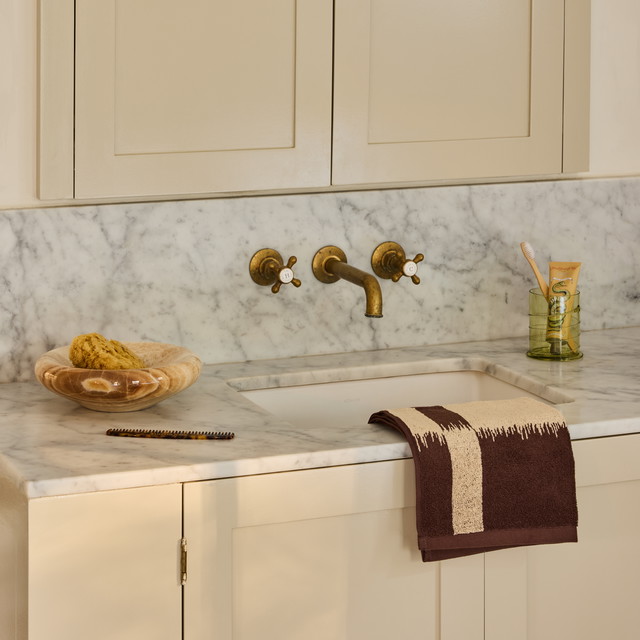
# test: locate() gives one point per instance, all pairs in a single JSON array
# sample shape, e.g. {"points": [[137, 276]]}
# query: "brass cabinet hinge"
{"points": [[183, 561]]}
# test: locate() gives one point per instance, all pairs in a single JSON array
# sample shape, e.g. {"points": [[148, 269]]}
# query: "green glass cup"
{"points": [[554, 326]]}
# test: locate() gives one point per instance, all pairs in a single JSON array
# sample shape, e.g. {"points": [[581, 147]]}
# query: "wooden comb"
{"points": [[172, 435]]}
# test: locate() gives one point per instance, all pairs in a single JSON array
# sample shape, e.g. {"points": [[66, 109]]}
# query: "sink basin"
{"points": [[351, 402]]}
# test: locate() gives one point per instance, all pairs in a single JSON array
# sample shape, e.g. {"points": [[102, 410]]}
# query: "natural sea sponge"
{"points": [[94, 351]]}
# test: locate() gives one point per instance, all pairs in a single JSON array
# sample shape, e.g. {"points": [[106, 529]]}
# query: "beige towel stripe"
{"points": [[466, 465], [498, 417], [466, 486]]}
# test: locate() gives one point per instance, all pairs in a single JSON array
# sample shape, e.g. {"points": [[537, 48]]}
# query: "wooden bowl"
{"points": [[170, 370]]}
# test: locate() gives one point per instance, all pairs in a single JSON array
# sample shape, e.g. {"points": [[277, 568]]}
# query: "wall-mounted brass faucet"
{"points": [[390, 262], [267, 267], [330, 265]]}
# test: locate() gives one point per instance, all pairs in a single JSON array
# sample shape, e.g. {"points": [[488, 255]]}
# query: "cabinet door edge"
{"points": [[56, 90]]}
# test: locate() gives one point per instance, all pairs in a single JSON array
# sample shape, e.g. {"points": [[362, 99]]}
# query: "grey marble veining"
{"points": [[177, 272], [51, 446]]}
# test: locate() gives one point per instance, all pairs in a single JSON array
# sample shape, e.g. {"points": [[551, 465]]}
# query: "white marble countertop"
{"points": [[50, 446]]}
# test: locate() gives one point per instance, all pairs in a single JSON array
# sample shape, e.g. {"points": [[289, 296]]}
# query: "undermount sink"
{"points": [[351, 402]]}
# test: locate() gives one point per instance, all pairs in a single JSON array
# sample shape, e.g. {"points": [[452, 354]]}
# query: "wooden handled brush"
{"points": [[529, 254]]}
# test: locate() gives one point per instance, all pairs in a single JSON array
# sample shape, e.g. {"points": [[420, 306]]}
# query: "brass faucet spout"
{"points": [[330, 265], [369, 283]]}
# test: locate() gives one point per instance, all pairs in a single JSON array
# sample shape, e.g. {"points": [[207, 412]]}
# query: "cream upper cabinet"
{"points": [[208, 96], [201, 96], [448, 89]]}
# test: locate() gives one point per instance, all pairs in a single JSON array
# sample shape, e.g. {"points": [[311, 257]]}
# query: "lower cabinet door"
{"points": [[319, 554], [103, 566], [583, 591]]}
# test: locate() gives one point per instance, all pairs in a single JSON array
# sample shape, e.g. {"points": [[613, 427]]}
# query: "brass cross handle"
{"points": [[389, 261], [267, 267]]}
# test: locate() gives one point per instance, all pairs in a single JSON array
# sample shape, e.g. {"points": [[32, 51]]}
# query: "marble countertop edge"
{"points": [[212, 471]]}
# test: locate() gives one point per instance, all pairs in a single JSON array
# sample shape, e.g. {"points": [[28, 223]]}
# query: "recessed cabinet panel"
{"points": [[316, 582], [434, 89], [204, 72], [201, 96], [471, 83]]}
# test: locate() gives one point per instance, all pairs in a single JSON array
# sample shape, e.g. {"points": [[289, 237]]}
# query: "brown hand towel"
{"points": [[489, 475]]}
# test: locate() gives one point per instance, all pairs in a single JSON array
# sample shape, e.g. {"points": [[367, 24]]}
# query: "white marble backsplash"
{"points": [[177, 272]]}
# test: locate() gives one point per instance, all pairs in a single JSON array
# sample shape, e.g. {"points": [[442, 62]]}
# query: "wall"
{"points": [[178, 271]]}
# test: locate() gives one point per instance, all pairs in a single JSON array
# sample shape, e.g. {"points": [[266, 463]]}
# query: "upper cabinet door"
{"points": [[201, 96], [447, 89]]}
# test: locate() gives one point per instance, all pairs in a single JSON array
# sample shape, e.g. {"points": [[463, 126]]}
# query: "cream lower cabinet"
{"points": [[331, 553], [327, 553], [98, 566], [584, 591], [313, 554]]}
